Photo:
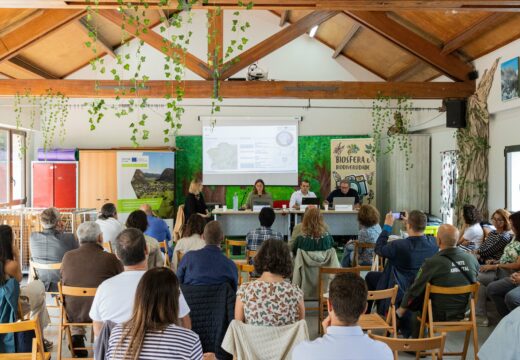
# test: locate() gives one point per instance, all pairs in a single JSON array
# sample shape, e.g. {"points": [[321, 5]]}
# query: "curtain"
{"points": [[448, 182]]}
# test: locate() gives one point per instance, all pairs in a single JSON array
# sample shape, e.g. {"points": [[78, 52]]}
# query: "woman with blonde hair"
{"points": [[194, 203], [153, 331], [315, 236]]}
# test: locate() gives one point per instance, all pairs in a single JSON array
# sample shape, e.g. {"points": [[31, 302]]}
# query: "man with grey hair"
{"points": [[87, 266], [49, 246]]}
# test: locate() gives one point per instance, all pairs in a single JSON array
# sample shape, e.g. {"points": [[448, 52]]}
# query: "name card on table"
{"points": [[343, 207]]}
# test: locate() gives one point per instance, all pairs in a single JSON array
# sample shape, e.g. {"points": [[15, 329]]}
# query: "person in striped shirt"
{"points": [[153, 331]]}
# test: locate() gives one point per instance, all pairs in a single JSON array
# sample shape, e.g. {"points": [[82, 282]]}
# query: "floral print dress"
{"points": [[270, 304]]}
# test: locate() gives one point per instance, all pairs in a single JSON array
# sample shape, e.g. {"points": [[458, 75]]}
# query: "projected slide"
{"points": [[239, 151]]}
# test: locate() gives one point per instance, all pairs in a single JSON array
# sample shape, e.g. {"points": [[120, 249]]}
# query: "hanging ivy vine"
{"points": [[391, 121]]}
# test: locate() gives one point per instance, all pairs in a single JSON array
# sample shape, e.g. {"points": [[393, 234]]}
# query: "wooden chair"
{"points": [[245, 268], [230, 243], [107, 246], [179, 255], [323, 288], [33, 267], [436, 344], [38, 351], [64, 322], [163, 245], [374, 321], [466, 325], [250, 255], [361, 246]]}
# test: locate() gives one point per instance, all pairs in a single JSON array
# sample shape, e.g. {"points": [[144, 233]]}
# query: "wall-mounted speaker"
{"points": [[455, 113]]}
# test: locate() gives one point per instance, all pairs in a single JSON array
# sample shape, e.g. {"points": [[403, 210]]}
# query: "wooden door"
{"points": [[97, 178]]}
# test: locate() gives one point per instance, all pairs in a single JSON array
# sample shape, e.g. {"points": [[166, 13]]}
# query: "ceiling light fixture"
{"points": [[313, 31]]}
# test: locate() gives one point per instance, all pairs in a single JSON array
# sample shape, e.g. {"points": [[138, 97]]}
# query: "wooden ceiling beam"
{"points": [[215, 37], [348, 37], [275, 42], [245, 89], [380, 23], [473, 32], [35, 30], [359, 5], [103, 44], [14, 26], [26, 66], [156, 41], [284, 17]]}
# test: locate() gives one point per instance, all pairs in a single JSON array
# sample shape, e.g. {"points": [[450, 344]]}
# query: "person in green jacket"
{"points": [[442, 270]]}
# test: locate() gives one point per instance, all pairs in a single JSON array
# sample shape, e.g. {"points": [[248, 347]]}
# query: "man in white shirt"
{"points": [[297, 196], [344, 339], [114, 298]]}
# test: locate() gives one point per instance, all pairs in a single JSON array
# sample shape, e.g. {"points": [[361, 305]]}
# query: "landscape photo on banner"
{"points": [[146, 178], [354, 160]]}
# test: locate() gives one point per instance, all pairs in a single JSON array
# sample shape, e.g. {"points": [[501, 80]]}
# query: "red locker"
{"points": [[54, 184]]}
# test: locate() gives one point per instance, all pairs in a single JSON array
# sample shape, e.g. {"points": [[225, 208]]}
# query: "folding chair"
{"points": [[250, 255], [107, 246], [323, 290], [374, 321], [38, 351], [436, 344], [230, 243], [65, 325], [33, 267], [179, 255], [361, 246], [466, 325], [164, 247]]}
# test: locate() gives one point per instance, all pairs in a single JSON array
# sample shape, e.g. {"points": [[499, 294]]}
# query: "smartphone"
{"points": [[396, 216]]}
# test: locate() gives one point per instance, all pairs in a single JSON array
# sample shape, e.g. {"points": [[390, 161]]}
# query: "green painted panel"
{"points": [[314, 165]]}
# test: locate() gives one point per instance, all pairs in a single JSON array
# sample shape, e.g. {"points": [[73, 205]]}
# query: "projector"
{"points": [[256, 73]]}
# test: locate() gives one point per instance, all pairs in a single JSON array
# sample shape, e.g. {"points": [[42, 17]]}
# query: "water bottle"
{"points": [[235, 202]]}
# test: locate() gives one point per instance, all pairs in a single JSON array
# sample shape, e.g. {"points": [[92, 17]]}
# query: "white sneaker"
{"points": [[482, 321]]}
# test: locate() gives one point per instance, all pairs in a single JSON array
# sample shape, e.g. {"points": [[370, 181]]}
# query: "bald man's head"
{"points": [[448, 236], [147, 209]]}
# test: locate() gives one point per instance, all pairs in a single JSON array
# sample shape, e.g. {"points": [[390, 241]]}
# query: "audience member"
{"points": [[503, 342], [344, 190], [157, 227], [315, 236], [505, 292], [344, 338], [258, 194], [369, 231], [152, 332], [450, 267], [194, 203], [87, 266], [138, 220], [404, 256], [496, 240], [191, 238], [271, 300], [471, 233], [49, 246], [32, 295], [498, 271], [114, 298], [297, 196], [107, 221], [256, 237], [208, 266]]}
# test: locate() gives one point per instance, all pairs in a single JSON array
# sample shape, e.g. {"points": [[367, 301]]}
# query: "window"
{"points": [[512, 154], [12, 167]]}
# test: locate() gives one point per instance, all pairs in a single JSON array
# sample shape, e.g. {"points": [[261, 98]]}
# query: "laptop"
{"points": [[343, 203], [310, 201], [259, 204]]}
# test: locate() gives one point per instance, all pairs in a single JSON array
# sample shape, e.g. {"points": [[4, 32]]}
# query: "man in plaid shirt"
{"points": [[256, 237]]}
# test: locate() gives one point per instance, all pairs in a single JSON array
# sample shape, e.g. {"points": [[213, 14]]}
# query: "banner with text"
{"points": [[146, 178], [354, 160]]}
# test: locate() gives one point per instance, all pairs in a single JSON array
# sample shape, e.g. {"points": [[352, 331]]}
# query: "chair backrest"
{"points": [[179, 255], [357, 247], [306, 270], [250, 254], [107, 246], [27, 325], [397, 345], [39, 266], [384, 294], [230, 243], [164, 247], [471, 289], [179, 224]]}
